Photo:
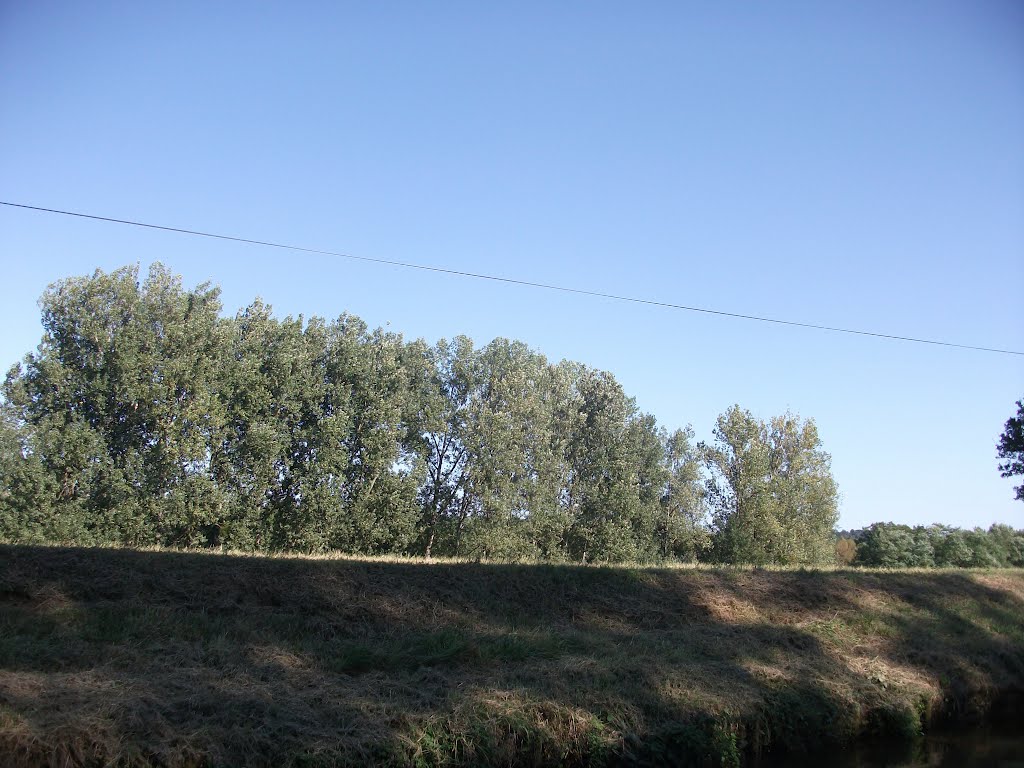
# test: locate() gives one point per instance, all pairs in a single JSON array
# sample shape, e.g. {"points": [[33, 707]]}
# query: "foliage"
{"points": [[146, 418], [1011, 448], [26, 493], [614, 475], [119, 405], [771, 491], [492, 456], [890, 545], [846, 550], [681, 531]]}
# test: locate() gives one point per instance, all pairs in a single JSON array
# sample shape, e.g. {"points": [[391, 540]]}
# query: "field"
{"points": [[118, 657]]}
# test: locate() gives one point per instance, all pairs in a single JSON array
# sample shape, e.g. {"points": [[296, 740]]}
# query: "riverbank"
{"points": [[185, 659]]}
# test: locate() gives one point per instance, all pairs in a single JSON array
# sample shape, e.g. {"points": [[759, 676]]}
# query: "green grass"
{"points": [[120, 657]]}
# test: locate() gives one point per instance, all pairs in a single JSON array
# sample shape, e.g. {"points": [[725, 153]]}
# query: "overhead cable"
{"points": [[515, 281]]}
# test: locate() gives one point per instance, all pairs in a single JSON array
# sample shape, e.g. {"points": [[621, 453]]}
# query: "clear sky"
{"points": [[849, 164]]}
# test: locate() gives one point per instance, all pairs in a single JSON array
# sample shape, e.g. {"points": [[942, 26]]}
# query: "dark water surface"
{"points": [[986, 747]]}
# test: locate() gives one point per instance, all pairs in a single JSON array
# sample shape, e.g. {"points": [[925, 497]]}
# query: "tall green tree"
{"points": [[890, 545], [145, 417], [1006, 545], [615, 472], [771, 490], [120, 401], [445, 496], [492, 458], [510, 447], [1011, 448], [681, 531], [27, 490], [318, 448], [373, 378]]}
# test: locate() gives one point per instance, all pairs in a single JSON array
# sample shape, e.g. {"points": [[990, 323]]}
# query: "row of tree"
{"points": [[891, 545], [147, 418]]}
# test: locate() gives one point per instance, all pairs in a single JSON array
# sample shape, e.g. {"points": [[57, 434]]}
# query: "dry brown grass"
{"points": [[116, 657]]}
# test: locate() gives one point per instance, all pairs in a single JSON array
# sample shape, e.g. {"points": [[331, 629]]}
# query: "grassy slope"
{"points": [[192, 659]]}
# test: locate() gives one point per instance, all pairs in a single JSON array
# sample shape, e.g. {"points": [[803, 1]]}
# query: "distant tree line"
{"points": [[891, 545], [145, 418]]}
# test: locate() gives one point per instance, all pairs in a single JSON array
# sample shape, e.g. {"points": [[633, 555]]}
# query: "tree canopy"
{"points": [[891, 545], [771, 490], [146, 417], [1011, 448]]}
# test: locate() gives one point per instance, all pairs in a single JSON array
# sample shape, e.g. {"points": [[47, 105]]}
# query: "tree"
{"points": [[615, 474], [120, 404], [444, 496], [771, 491], [144, 417], [317, 450], [492, 459], [1006, 545], [951, 549], [681, 529], [889, 545], [27, 491], [1011, 448], [515, 456], [846, 550], [373, 377]]}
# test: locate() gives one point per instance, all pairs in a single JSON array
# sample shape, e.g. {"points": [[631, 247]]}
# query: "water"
{"points": [[985, 747]]}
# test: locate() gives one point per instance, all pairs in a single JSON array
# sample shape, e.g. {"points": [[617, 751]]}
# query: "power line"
{"points": [[513, 281]]}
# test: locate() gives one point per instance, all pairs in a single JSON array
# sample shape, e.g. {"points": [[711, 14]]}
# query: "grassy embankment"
{"points": [[121, 657]]}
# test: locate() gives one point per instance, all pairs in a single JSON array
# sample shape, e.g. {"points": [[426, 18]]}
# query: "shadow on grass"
{"points": [[190, 659]]}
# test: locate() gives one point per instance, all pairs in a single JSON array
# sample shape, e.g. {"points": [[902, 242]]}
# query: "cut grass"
{"points": [[120, 657]]}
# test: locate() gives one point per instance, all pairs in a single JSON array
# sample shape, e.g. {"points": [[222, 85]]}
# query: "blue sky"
{"points": [[857, 165]]}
